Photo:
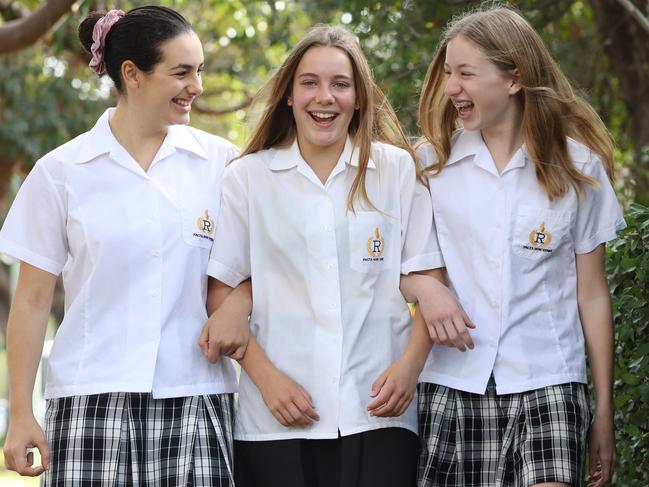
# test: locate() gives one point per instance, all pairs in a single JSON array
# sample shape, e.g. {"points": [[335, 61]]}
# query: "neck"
{"points": [[138, 137], [503, 140], [321, 159]]}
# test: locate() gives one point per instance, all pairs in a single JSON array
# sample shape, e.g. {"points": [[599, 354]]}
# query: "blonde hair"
{"points": [[374, 120], [551, 110]]}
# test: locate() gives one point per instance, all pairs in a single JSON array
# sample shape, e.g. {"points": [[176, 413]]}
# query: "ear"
{"points": [[131, 75], [515, 82], [289, 100]]}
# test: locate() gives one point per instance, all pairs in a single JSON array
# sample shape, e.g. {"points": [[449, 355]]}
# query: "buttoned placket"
{"points": [[323, 248], [152, 233]]}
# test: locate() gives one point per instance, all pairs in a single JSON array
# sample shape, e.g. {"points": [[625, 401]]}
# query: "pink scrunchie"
{"points": [[99, 33]]}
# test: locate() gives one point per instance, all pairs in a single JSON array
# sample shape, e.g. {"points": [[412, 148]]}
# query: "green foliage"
{"points": [[628, 273], [40, 107]]}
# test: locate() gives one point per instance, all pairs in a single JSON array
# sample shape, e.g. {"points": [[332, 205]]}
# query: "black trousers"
{"points": [[385, 457]]}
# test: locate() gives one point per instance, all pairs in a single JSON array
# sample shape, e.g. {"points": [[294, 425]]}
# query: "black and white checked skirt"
{"points": [[511, 440], [131, 439]]}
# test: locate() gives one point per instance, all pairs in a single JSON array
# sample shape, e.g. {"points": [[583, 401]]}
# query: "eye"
{"points": [[341, 84], [447, 72], [180, 74], [466, 74], [308, 82]]}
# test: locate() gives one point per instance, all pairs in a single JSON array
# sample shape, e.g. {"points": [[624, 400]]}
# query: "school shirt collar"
{"points": [[101, 141], [469, 143], [289, 157]]}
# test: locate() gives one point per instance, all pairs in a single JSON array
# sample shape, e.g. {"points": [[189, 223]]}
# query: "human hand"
{"points": [[445, 318], [601, 450], [394, 389], [287, 400], [226, 332], [25, 433]]}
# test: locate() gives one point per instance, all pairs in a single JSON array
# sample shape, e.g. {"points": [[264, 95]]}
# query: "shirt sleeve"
{"points": [[230, 256], [420, 248], [599, 216], [35, 228]]}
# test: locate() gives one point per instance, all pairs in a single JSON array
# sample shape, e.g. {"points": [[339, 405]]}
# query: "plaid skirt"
{"points": [[508, 440], [126, 439]]}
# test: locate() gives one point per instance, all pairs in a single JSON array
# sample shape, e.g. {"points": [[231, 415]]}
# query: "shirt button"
{"points": [[332, 306], [331, 265], [154, 294], [328, 228], [155, 253]]}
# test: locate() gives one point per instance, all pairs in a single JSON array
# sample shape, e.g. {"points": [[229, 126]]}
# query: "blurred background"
{"points": [[48, 95]]}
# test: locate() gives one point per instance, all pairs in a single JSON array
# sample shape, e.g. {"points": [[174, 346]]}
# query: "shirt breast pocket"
{"points": [[539, 233], [199, 221], [371, 243]]}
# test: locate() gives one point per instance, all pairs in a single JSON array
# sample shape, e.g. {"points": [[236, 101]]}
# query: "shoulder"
{"points": [[425, 153], [213, 145], [56, 162], [254, 163], [583, 158], [386, 155]]}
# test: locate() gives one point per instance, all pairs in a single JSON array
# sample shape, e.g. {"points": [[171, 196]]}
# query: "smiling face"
{"points": [[484, 96], [167, 93], [323, 99]]}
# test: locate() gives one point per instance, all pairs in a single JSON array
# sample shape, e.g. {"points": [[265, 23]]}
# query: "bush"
{"points": [[628, 273]]}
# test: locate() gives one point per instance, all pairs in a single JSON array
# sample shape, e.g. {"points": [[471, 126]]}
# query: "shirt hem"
{"points": [[158, 393], [20, 253], [588, 245], [511, 388], [224, 274], [423, 263], [325, 435]]}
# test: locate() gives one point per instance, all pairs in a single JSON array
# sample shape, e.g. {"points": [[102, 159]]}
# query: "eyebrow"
{"points": [[185, 66], [314, 75], [464, 65]]}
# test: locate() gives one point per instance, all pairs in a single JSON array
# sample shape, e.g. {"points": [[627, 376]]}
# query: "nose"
{"points": [[452, 87], [324, 95], [195, 87]]}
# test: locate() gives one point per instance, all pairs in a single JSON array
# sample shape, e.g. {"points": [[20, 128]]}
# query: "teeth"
{"points": [[463, 104], [323, 115], [184, 103]]}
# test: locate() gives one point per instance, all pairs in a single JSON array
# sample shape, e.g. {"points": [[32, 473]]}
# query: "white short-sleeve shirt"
{"points": [[326, 303], [133, 248], [510, 256]]}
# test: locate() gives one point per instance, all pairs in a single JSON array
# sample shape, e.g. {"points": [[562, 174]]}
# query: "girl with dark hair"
{"points": [[126, 213]]}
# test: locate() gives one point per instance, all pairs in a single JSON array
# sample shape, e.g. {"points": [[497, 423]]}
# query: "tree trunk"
{"points": [[627, 45]]}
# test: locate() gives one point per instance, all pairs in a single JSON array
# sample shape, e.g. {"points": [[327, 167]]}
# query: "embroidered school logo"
{"points": [[205, 226], [540, 239], [375, 246]]}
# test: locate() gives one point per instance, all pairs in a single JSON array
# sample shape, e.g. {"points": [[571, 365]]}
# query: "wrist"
{"points": [[19, 413], [415, 360], [604, 409]]}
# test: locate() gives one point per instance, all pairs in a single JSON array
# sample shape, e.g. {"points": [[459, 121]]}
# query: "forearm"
{"points": [[415, 285], [240, 297], [26, 334], [256, 363], [595, 314], [419, 344], [594, 302]]}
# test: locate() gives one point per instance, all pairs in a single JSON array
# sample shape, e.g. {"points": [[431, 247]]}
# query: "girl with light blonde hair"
{"points": [[520, 174]]}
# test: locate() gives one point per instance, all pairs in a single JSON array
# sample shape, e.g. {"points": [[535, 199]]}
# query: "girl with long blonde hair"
{"points": [[520, 174]]}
